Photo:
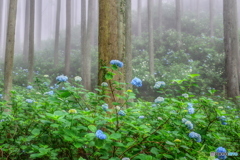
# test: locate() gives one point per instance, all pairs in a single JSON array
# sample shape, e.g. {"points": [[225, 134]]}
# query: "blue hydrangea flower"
{"points": [[100, 134], [189, 105], [184, 120], [159, 84], [136, 82], [189, 124], [51, 87], [29, 100], [221, 150], [1, 95], [190, 110], [56, 86], [49, 93], [29, 87], [62, 78], [104, 84], [117, 63], [105, 107], [121, 113], [154, 105], [141, 117], [45, 83], [195, 136], [223, 120], [159, 100]]}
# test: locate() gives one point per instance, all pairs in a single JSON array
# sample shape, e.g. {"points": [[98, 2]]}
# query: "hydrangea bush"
{"points": [[73, 123]]}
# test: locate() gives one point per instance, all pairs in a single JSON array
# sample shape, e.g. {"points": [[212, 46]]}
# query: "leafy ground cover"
{"points": [[58, 119]]}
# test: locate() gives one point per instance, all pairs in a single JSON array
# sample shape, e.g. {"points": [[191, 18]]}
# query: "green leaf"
{"points": [[170, 143], [109, 75], [167, 156], [64, 93], [193, 75], [35, 132], [115, 136], [154, 150], [92, 128], [90, 136]]}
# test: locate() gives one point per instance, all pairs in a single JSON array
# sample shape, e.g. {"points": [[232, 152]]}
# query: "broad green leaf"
{"points": [[115, 136], [92, 128], [35, 132], [170, 143]]}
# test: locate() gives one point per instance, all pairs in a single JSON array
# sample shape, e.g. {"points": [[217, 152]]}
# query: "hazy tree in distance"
{"points": [[83, 33], [68, 37], [150, 37], [160, 13], [56, 43], [178, 21], [128, 36], [26, 30], [9, 53], [139, 17], [39, 24], [231, 46], [1, 26], [31, 42], [211, 12], [86, 56]]}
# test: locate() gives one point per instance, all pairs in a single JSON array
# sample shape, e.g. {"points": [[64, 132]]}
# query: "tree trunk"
{"points": [[83, 34], [231, 47], [178, 21], [56, 55], [139, 17], [128, 41], [39, 24], [68, 37], [1, 27], [211, 11], [150, 37], [26, 31], [86, 56], [9, 54], [31, 42], [108, 44]]}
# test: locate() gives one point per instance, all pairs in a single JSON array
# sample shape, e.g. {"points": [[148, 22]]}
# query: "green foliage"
{"points": [[63, 125]]}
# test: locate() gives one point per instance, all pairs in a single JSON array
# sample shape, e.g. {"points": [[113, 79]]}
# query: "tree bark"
{"points": [[9, 54], [150, 38], [56, 44], [26, 31], [231, 47], [128, 41], [1, 27], [108, 45], [39, 24], [83, 33], [68, 37], [31, 42], [139, 23]]}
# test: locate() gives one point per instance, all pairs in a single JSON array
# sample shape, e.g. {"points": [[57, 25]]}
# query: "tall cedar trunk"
{"points": [[18, 28], [9, 54], [5, 23], [94, 23], [178, 21], [211, 12], [128, 41], [86, 56], [150, 38], [39, 24], [83, 33], [139, 17], [108, 44], [26, 31], [68, 37], [231, 46], [31, 42], [160, 14], [56, 44], [1, 27]]}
